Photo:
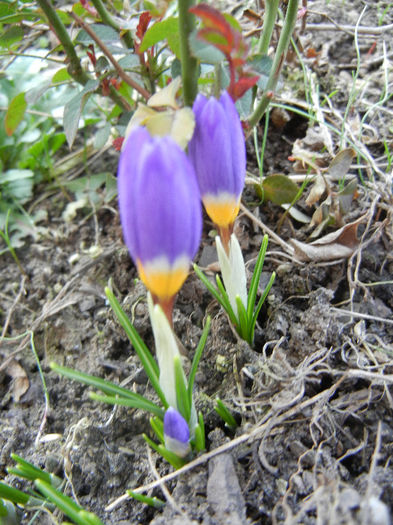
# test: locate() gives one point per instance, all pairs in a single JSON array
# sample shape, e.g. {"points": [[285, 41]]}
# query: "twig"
{"points": [[363, 30], [288, 248], [163, 487], [127, 79], [362, 316]]}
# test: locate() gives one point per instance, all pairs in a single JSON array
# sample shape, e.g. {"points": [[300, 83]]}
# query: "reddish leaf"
{"points": [[144, 20], [242, 85], [118, 143], [89, 8], [92, 55], [212, 18]]}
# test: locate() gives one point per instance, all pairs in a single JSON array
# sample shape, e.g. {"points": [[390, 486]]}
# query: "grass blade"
{"points": [[261, 301], [183, 401], [137, 402], [252, 294], [197, 358], [157, 503], [225, 414], [148, 362]]}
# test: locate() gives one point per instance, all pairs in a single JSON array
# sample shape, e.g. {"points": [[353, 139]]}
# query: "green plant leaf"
{"points": [[17, 185], [197, 358], [13, 34], [73, 110], [158, 427], [253, 290], [138, 402], [15, 495], [199, 439], [174, 460], [61, 75], [260, 303], [144, 354], [242, 324], [183, 401], [206, 53], [167, 29], [110, 389], [105, 34], [15, 113], [279, 189], [225, 414], [157, 503], [67, 505]]}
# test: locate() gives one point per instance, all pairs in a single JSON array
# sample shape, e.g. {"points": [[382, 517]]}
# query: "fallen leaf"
{"points": [[319, 187], [341, 163], [20, 383], [337, 245]]}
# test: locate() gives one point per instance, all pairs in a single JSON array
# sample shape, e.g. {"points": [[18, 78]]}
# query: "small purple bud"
{"points": [[218, 153], [176, 433]]}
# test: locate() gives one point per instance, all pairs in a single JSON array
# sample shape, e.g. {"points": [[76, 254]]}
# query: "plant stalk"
{"points": [[189, 64], [269, 19], [74, 68], [282, 46]]}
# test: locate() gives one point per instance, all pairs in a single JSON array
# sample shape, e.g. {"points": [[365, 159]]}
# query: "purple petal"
{"points": [[217, 148], [158, 198], [175, 426]]}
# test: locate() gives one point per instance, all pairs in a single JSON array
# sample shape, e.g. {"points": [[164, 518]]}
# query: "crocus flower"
{"points": [[176, 433], [218, 153], [160, 212]]}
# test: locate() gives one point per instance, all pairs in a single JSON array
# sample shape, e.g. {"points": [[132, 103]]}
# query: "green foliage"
{"points": [[225, 414], [116, 395], [48, 497], [246, 319]]}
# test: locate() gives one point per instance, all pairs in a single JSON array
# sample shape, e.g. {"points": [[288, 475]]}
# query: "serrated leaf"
{"points": [[15, 113], [104, 33], [34, 94], [73, 110], [279, 189], [11, 35], [167, 29], [203, 51], [102, 136]]}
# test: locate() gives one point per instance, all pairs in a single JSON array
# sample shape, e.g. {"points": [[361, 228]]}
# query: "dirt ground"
{"points": [[313, 397]]}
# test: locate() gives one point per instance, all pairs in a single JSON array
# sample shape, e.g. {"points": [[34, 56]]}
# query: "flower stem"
{"points": [[271, 8], [189, 64], [282, 46], [75, 69]]}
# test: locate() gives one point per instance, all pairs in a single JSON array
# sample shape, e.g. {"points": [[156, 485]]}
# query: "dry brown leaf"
{"points": [[318, 189], [20, 383], [337, 245]]}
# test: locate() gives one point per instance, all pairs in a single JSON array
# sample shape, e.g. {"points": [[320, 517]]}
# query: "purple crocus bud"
{"points": [[160, 212], [218, 153], [176, 433]]}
